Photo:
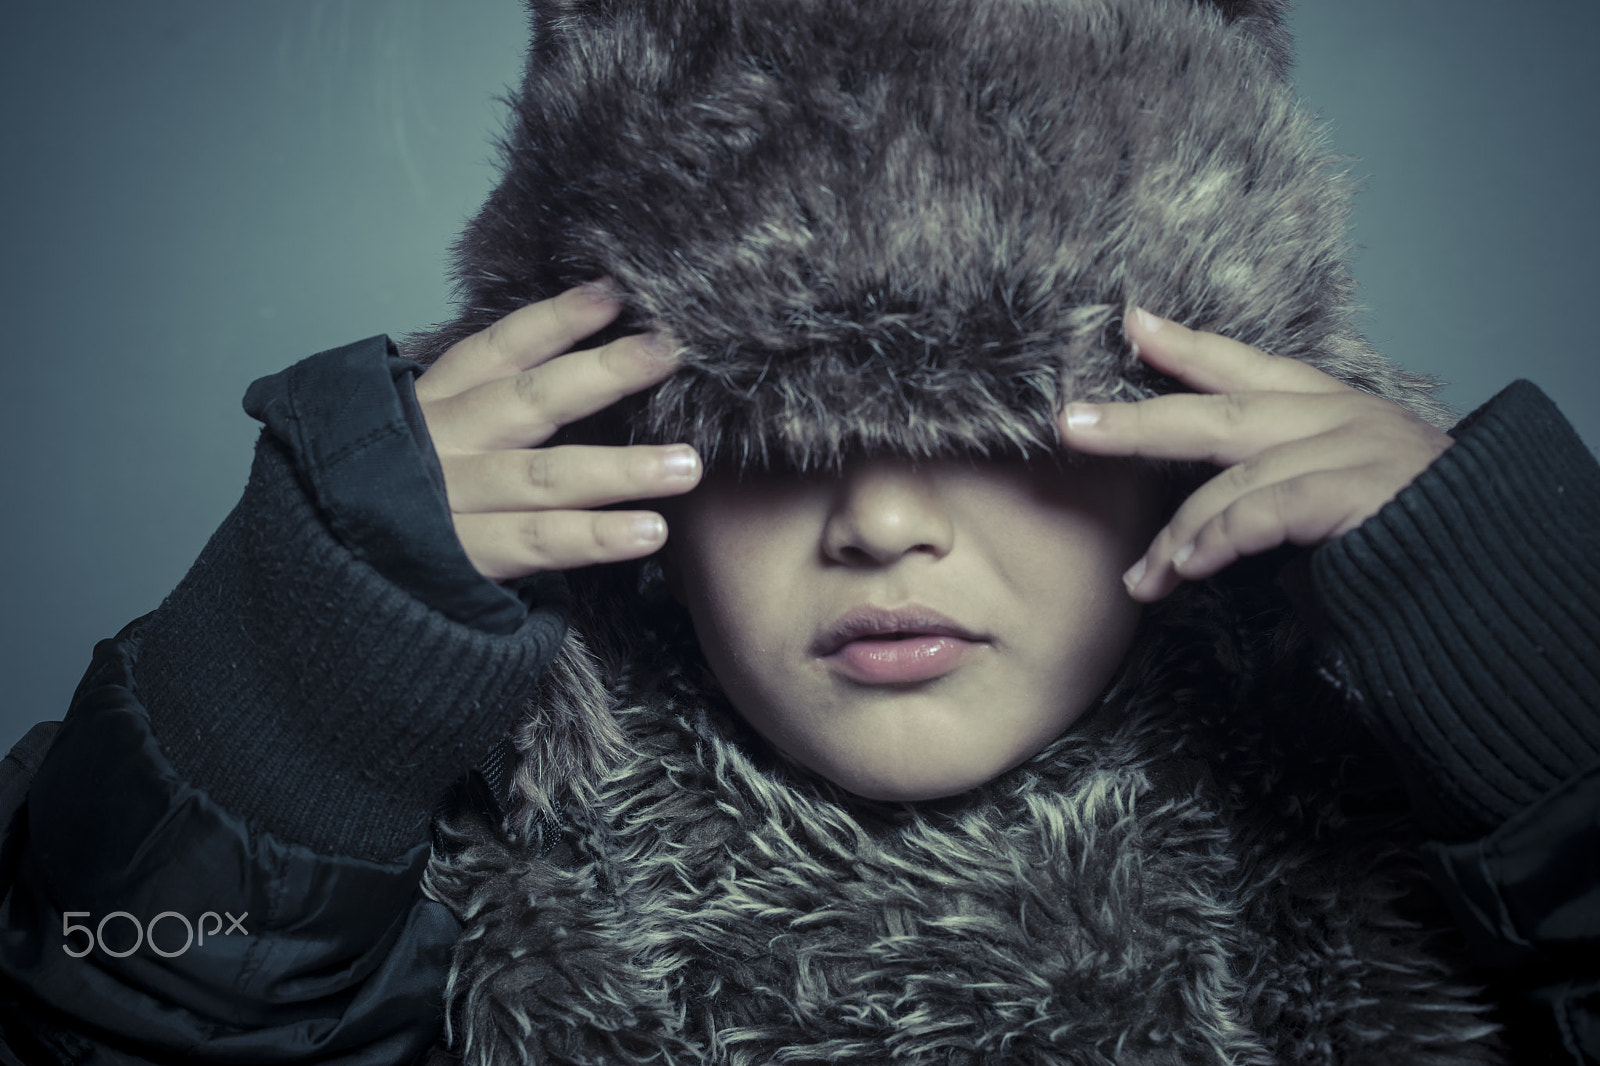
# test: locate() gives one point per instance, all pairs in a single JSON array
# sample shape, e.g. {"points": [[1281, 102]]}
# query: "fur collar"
{"points": [[1177, 880]]}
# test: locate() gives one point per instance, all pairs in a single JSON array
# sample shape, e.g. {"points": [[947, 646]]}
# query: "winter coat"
{"points": [[343, 958], [873, 226]]}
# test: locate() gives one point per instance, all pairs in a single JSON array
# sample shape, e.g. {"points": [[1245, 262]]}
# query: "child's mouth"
{"points": [[899, 658], [898, 646]]}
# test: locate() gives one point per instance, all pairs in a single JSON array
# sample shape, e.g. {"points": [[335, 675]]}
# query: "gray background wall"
{"points": [[195, 194]]}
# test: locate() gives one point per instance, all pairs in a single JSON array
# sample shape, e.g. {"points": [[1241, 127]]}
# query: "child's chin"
{"points": [[911, 747], [899, 785], [912, 793]]}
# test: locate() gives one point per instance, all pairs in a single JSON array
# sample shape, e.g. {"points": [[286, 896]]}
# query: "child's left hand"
{"points": [[1306, 456]]}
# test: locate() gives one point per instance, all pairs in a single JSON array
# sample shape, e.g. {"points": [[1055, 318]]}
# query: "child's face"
{"points": [[1001, 579]]}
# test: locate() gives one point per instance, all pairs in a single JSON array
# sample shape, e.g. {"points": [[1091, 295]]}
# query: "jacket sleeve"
{"points": [[1464, 618], [216, 857]]}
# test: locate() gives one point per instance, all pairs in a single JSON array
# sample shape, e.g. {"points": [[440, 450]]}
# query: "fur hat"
{"points": [[913, 225]]}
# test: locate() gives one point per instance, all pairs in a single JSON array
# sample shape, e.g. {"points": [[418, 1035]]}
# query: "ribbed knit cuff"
{"points": [[315, 699], [1466, 615], [349, 417]]}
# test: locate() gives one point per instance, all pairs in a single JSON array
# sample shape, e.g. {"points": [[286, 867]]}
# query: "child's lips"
{"points": [[900, 660], [898, 646]]}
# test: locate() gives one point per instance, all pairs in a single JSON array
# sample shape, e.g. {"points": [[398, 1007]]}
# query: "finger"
{"points": [[1259, 521], [571, 477], [1222, 428], [511, 545], [526, 409], [521, 340], [1209, 362], [1327, 451]]}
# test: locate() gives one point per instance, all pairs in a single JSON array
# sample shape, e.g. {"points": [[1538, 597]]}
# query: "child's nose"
{"points": [[884, 510]]}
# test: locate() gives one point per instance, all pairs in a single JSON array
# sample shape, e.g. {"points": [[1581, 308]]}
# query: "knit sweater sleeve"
{"points": [[314, 673], [1465, 615]]}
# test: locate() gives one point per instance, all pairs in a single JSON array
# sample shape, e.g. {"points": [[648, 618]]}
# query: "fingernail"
{"points": [[661, 347], [1082, 415], [1148, 322], [1181, 556], [648, 529], [1134, 575], [680, 462], [600, 290]]}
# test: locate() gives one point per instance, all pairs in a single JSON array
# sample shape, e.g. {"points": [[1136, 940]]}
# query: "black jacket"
{"points": [[257, 760]]}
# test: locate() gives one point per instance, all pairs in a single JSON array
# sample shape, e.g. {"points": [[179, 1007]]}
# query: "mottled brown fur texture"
{"points": [[912, 226]]}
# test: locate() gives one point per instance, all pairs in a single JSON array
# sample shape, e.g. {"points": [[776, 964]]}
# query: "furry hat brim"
{"points": [[913, 226]]}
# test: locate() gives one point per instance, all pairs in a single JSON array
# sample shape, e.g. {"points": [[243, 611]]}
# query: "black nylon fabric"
{"points": [[342, 959], [1527, 897]]}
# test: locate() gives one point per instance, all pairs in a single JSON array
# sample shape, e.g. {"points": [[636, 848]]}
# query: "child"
{"points": [[883, 758]]}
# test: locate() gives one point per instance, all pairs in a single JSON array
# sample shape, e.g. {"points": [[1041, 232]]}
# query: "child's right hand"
{"points": [[493, 398]]}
